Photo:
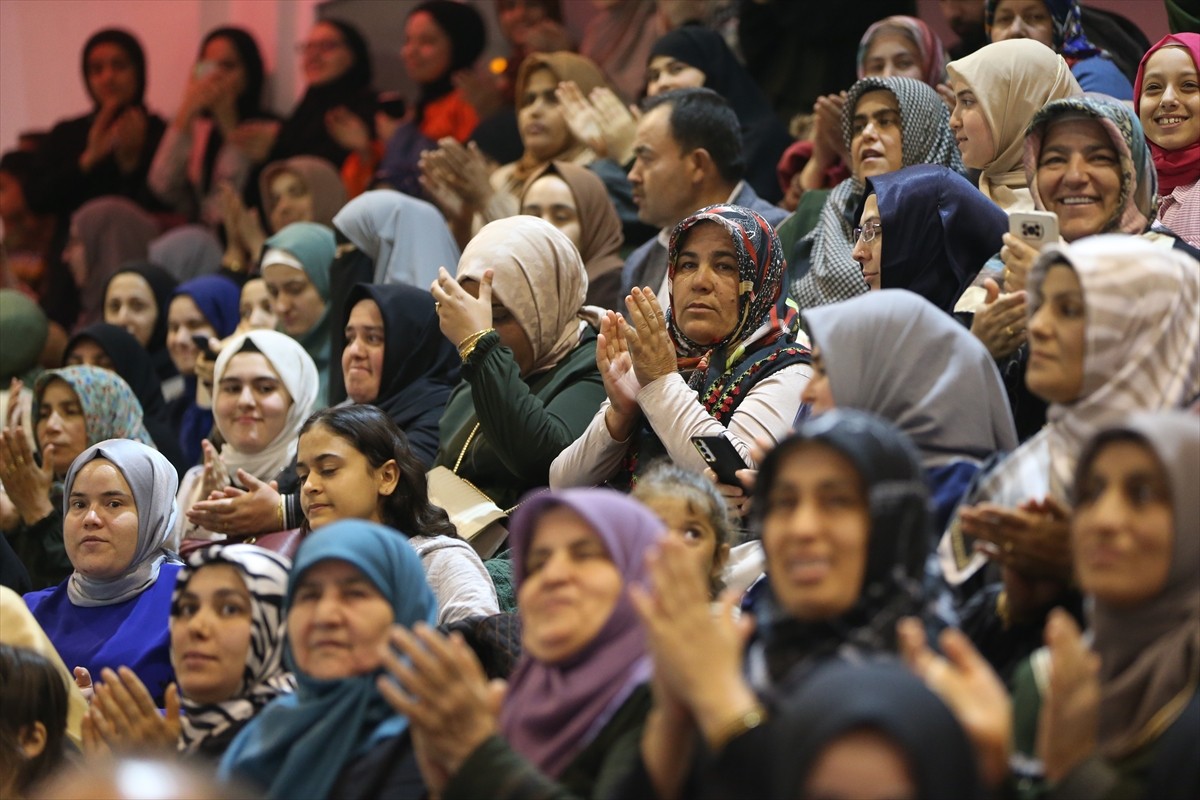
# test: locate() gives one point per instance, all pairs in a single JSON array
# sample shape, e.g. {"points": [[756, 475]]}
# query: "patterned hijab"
{"points": [[1011, 81], [1174, 167], [925, 139], [153, 482], [1069, 38], [539, 277], [110, 408], [1141, 353], [1139, 182], [1150, 654], [552, 710], [266, 577], [760, 281], [930, 49]]}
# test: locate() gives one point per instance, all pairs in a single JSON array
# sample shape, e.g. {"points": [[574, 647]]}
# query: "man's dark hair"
{"points": [[702, 118]]}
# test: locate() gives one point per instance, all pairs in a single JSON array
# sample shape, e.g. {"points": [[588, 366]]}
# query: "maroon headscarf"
{"points": [[552, 711], [1174, 167]]}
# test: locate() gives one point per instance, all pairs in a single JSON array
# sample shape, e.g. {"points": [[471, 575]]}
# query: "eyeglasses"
{"points": [[867, 235], [321, 46]]}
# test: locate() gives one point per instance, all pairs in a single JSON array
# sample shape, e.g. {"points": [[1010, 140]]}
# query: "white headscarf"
{"points": [[296, 369], [153, 482], [407, 238]]}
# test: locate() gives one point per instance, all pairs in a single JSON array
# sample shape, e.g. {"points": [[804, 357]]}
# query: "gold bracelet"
{"points": [[282, 514], [746, 721], [467, 346]]}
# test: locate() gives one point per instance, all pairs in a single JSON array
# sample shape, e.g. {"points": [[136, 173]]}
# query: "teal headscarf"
{"points": [[299, 744], [313, 246]]}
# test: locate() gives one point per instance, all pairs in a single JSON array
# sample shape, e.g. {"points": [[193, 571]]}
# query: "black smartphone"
{"points": [[201, 342], [720, 454]]}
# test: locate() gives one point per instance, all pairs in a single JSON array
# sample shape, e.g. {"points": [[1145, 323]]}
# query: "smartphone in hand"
{"points": [[720, 455]]}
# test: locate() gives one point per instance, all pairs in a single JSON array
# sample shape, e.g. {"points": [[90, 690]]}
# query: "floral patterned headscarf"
{"points": [[110, 408]]}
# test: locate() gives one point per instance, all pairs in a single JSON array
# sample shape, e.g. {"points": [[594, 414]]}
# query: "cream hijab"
{"points": [[539, 277], [1012, 80]]}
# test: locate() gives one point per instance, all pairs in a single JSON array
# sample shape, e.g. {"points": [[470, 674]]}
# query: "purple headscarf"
{"points": [[553, 710]]}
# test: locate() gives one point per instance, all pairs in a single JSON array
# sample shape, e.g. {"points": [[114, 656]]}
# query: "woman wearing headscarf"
{"points": [[187, 252], [572, 715], [530, 384], [887, 124], [106, 233], [894, 47], [397, 359], [226, 635], [457, 177], [118, 509], [137, 298], [264, 387], [336, 735], [112, 348], [296, 267], [574, 200], [1057, 25], [108, 150], [704, 51], [199, 150], [442, 41], [205, 306], [1164, 93], [895, 355], [872, 551], [73, 409], [1114, 328], [850, 712], [1137, 476], [719, 363], [998, 89]]}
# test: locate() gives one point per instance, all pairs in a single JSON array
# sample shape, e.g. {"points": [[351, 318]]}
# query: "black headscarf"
{"points": [[468, 36], [304, 133], [132, 47], [884, 697], [249, 102], [163, 285], [134, 365], [900, 535], [420, 366], [764, 136], [938, 231]]}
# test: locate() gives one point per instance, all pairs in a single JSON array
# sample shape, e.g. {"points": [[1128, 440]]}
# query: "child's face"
{"points": [[687, 521]]}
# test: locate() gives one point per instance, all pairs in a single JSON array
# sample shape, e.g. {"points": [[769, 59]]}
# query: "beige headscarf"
{"points": [[1012, 80], [321, 178], [539, 277]]}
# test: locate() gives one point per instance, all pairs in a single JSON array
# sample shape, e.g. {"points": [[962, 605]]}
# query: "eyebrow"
{"points": [[1091, 148], [721, 253], [876, 114], [643, 149], [112, 493]]}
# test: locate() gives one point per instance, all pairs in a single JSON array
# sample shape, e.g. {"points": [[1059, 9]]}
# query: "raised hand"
{"points": [[581, 117], [348, 129], [27, 484], [129, 135], [1033, 539], [123, 716], [1000, 323], [1069, 724], [650, 345], [460, 314], [248, 511], [618, 121]]}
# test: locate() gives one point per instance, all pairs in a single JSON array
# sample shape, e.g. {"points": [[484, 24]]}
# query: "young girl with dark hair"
{"points": [[354, 463], [34, 723]]}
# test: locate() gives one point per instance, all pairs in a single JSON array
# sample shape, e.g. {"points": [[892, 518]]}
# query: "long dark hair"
{"points": [[372, 433], [31, 690], [249, 102], [132, 47]]}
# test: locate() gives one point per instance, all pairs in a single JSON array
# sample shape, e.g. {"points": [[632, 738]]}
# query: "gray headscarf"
{"points": [[898, 356], [1150, 653], [407, 238], [154, 484], [925, 138], [187, 252]]}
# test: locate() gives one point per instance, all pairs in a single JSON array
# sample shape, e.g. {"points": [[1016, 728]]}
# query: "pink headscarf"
{"points": [[929, 46], [1174, 167]]}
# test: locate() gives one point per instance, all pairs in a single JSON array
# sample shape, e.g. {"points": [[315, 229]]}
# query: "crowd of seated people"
{"points": [[722, 399]]}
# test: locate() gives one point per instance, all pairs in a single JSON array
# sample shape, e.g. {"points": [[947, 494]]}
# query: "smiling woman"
{"points": [[112, 611]]}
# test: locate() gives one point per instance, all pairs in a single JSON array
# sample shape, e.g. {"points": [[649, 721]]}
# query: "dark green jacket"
{"points": [[523, 425], [495, 771]]}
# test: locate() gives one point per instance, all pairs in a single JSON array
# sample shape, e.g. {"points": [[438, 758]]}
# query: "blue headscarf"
{"points": [[300, 743], [217, 297]]}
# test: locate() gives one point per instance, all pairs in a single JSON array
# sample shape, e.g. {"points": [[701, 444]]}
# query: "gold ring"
{"points": [[1008, 331], [1008, 547]]}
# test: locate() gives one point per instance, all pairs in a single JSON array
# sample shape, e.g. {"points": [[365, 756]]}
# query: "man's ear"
{"points": [[701, 166], [32, 740]]}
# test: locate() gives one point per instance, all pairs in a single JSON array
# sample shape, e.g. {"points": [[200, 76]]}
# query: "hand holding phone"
{"points": [[201, 342], [1036, 228], [722, 457]]}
